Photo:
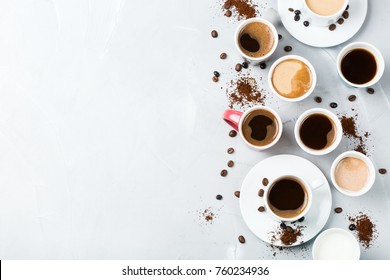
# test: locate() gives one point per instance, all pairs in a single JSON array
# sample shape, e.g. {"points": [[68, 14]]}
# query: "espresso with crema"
{"points": [[318, 131], [256, 39]]}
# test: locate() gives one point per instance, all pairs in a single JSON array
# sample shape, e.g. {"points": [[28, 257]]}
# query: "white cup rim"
{"points": [[330, 230], [336, 121], [274, 32], [378, 58], [309, 198], [336, 14], [372, 174], [278, 119], [300, 58]]}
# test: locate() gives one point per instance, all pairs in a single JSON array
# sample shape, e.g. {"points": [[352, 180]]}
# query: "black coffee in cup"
{"points": [[317, 132], [359, 66], [287, 197]]}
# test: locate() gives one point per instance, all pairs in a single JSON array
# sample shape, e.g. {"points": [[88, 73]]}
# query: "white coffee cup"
{"points": [[322, 20], [305, 61], [337, 127], [236, 119], [309, 187], [380, 62], [371, 173], [256, 60]]}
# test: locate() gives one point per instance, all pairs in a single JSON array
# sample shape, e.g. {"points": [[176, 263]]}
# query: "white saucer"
{"points": [[260, 223], [321, 36]]}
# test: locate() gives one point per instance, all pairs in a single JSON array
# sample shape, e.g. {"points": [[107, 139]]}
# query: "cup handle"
{"points": [[272, 16], [316, 184], [232, 117]]}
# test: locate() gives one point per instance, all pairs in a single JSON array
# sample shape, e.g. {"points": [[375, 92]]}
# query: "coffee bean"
{"points": [[283, 226], [297, 17], [287, 48], [291, 9], [297, 12], [245, 65], [237, 193], [223, 56], [214, 34], [216, 74], [226, 5], [347, 7], [301, 219], [280, 36], [264, 182], [371, 90], [215, 79], [306, 23], [318, 99], [352, 98], [345, 14], [224, 172], [219, 197], [238, 67], [338, 210], [261, 209], [230, 163], [263, 65], [228, 13], [332, 27], [382, 171], [289, 229], [232, 133], [230, 151], [241, 239], [340, 21], [333, 105], [352, 227], [261, 193]]}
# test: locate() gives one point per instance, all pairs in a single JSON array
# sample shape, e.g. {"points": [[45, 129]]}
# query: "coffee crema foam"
{"points": [[351, 174], [292, 78], [325, 8], [256, 39]]}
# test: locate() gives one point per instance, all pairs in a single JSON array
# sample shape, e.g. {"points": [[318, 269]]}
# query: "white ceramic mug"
{"points": [[322, 20], [309, 187], [380, 62], [337, 127], [236, 119], [305, 61], [371, 173]]}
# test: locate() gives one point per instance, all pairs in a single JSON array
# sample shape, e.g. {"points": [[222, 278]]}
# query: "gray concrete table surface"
{"points": [[111, 137]]}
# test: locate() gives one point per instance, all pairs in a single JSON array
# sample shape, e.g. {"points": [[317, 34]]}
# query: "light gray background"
{"points": [[111, 138]]}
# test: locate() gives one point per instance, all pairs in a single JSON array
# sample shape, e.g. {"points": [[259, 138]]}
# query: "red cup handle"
{"points": [[232, 117]]}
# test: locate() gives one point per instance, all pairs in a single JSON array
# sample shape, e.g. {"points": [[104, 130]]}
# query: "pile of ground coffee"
{"points": [[365, 229], [243, 8], [286, 234], [351, 132], [245, 93]]}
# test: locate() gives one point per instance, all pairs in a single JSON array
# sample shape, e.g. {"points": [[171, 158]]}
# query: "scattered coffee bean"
{"points": [[332, 27], [230, 151], [232, 133], [280, 36], [297, 17], [261, 193], [261, 209], [301, 219], [318, 99], [216, 74], [347, 7], [289, 229], [223, 56], [283, 226], [214, 34], [219, 197], [345, 14], [340, 21], [263, 65], [371, 90], [352, 98], [230, 163], [238, 67], [297, 12], [352, 227], [237, 193], [224, 172], [291, 9], [245, 65], [241, 239], [228, 13], [333, 105], [382, 171], [264, 182], [338, 210], [306, 23], [287, 48], [226, 5], [215, 79]]}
